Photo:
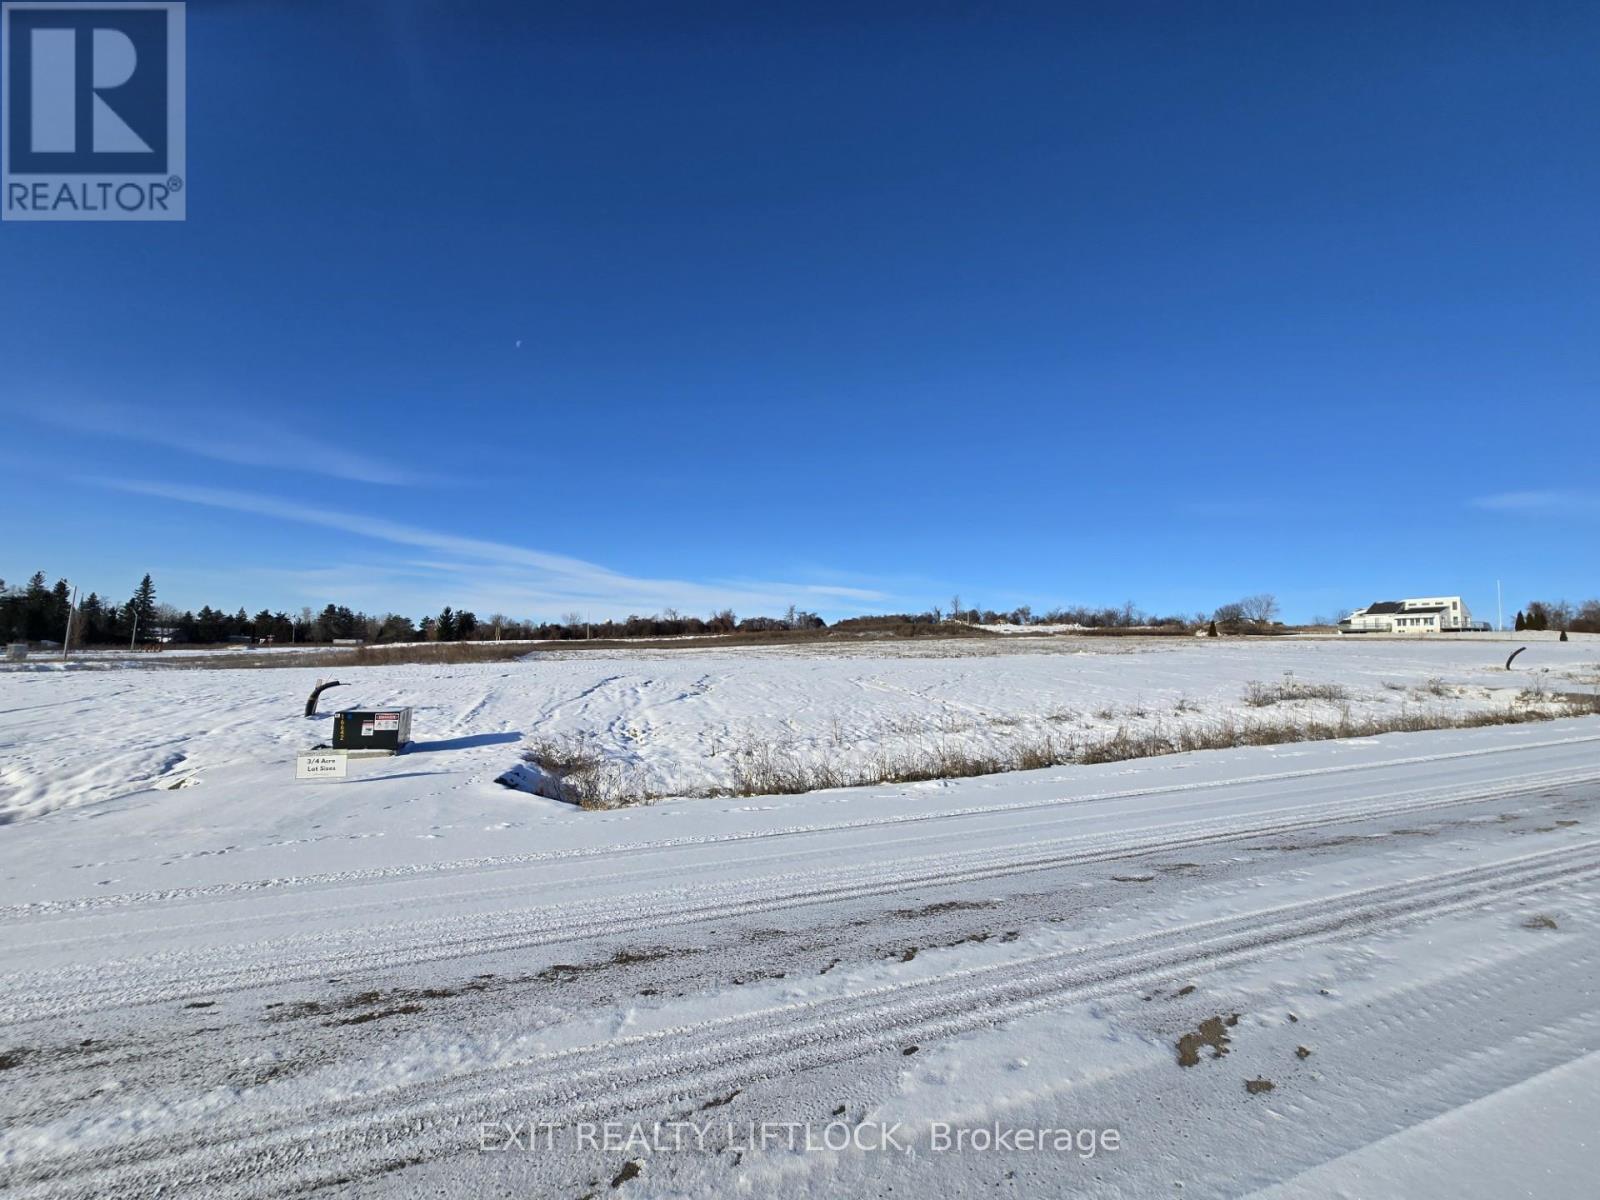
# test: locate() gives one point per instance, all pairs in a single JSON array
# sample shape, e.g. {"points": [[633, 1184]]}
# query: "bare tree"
{"points": [[1262, 608], [1338, 616], [1229, 614]]}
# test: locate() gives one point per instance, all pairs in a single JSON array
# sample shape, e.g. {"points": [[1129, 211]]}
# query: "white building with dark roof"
{"points": [[1423, 614]]}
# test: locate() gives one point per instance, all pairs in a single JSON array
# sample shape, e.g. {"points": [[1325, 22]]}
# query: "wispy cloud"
{"points": [[502, 575], [843, 593], [245, 445], [1573, 503]]}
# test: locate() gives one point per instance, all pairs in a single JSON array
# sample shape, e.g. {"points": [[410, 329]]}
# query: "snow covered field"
{"points": [[1358, 967], [682, 722]]}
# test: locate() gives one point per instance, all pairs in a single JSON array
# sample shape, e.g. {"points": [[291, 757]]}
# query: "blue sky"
{"points": [[614, 307]]}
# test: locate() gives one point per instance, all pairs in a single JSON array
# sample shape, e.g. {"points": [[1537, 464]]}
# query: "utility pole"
{"points": [[66, 642], [132, 637], [1499, 610]]}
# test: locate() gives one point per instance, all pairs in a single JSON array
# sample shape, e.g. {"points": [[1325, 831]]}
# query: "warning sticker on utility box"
{"points": [[390, 721], [366, 729]]}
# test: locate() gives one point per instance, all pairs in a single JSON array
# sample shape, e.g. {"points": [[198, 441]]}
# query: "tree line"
{"points": [[1255, 611], [1559, 614], [38, 612]]}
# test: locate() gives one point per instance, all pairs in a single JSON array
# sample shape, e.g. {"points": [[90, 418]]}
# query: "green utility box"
{"points": [[372, 729]]}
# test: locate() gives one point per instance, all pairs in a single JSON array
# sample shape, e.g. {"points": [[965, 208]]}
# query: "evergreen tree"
{"points": [[92, 620], [10, 614], [446, 625], [36, 609], [1563, 635], [142, 608], [264, 626], [395, 628], [60, 607], [208, 625], [1521, 624], [1212, 632], [336, 621]]}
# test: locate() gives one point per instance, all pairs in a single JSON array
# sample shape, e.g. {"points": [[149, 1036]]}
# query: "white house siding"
{"points": [[1417, 622], [1453, 615]]}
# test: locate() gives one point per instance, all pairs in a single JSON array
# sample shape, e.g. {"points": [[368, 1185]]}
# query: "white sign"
{"points": [[390, 721], [321, 766]]}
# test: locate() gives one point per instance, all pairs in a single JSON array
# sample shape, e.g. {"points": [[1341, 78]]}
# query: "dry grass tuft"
{"points": [[349, 656], [1262, 695], [578, 774]]}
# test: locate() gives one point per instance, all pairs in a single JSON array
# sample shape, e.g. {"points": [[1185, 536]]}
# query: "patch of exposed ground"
{"points": [[376, 1003], [943, 906], [566, 972], [911, 952], [630, 1170], [1212, 1032], [17, 1055]]}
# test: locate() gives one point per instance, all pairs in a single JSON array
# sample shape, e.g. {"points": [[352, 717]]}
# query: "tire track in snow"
{"points": [[179, 975], [294, 1147], [337, 879]]}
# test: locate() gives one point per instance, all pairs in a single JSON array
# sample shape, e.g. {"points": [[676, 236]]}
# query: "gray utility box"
{"points": [[371, 729]]}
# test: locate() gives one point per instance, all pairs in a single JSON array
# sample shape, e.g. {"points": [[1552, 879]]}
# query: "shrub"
{"points": [[1261, 695], [578, 774], [1435, 686]]}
